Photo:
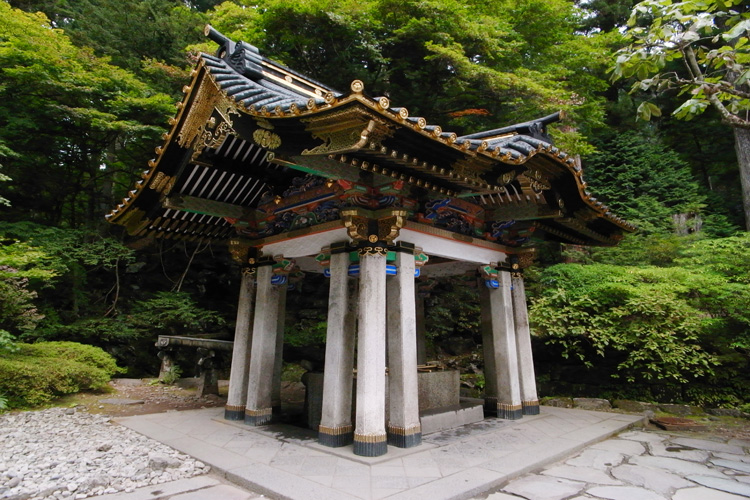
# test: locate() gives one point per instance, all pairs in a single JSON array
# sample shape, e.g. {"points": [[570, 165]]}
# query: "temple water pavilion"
{"points": [[296, 177]]}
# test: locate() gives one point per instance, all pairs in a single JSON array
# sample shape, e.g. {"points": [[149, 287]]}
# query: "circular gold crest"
{"points": [[372, 238], [357, 86]]}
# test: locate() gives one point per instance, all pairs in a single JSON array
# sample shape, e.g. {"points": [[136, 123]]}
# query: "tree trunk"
{"points": [[742, 146]]}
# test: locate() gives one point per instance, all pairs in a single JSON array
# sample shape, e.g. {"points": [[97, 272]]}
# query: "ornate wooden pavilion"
{"points": [[297, 177]]}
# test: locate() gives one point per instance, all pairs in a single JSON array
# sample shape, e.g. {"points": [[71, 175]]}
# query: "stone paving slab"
{"points": [[194, 488], [286, 462], [701, 493], [643, 465]]}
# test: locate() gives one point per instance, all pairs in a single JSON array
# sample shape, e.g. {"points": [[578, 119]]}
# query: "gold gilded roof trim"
{"points": [[116, 214]]}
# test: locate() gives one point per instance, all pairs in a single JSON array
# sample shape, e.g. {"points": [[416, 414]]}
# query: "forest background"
{"points": [[87, 87]]}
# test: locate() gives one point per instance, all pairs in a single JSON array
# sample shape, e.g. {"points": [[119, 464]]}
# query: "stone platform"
{"points": [[287, 462]]}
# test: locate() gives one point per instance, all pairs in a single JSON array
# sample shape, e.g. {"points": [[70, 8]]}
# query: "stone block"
{"points": [[702, 493], [623, 493], [674, 409], [632, 406], [558, 402], [594, 404], [438, 389], [660, 481], [543, 488], [722, 484]]}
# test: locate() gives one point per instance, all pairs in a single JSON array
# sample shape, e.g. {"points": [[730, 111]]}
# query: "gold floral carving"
{"points": [[204, 102], [198, 127], [158, 182], [388, 227], [345, 131], [356, 226], [212, 139], [373, 251], [266, 139], [239, 252]]}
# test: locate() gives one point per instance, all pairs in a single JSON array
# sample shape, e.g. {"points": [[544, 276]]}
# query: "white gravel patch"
{"points": [[64, 453]]}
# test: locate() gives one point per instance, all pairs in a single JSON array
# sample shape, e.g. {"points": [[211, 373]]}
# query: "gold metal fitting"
{"points": [[357, 86]]}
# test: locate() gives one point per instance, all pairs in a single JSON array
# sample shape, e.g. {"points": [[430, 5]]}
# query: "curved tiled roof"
{"points": [[495, 168]]}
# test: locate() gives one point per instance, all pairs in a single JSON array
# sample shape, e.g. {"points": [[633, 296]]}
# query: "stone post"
{"points": [[499, 332], [258, 410], [488, 350], [335, 428], [237, 395], [421, 330], [369, 435], [167, 362], [527, 379], [278, 362], [404, 429]]}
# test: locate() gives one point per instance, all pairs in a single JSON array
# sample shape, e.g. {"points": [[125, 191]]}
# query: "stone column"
{"points": [[335, 428], [499, 330], [488, 350], [369, 435], [421, 330], [527, 379], [258, 408], [404, 429], [278, 362], [237, 395]]}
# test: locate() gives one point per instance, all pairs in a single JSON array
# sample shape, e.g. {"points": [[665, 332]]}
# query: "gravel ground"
{"points": [[67, 453]]}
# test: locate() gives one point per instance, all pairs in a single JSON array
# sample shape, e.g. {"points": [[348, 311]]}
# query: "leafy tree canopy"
{"points": [[701, 49], [642, 180], [75, 122], [467, 65]]}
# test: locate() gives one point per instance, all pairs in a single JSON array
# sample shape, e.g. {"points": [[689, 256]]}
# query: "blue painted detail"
{"points": [[391, 270], [353, 270], [278, 279], [492, 283], [327, 272], [417, 272]]}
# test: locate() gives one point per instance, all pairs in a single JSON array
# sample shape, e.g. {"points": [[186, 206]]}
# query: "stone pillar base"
{"points": [[258, 417], [509, 412], [405, 438], [530, 407], [335, 437], [232, 412], [370, 446], [490, 407]]}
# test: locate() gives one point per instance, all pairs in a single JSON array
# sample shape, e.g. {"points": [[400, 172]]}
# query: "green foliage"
{"points": [[171, 376], [463, 64], [7, 342], [69, 259], [684, 321], [173, 313], [307, 332], [453, 310], [641, 316], [699, 49], [37, 373], [77, 124], [708, 37], [643, 181]]}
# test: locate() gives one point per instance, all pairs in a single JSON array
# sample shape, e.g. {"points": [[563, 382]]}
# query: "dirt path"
{"points": [[141, 396]]}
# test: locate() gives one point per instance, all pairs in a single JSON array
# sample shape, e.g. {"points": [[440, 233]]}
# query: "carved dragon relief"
{"points": [[345, 131]]}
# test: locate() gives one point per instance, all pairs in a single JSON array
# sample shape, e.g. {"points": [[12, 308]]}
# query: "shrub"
{"points": [[37, 373]]}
